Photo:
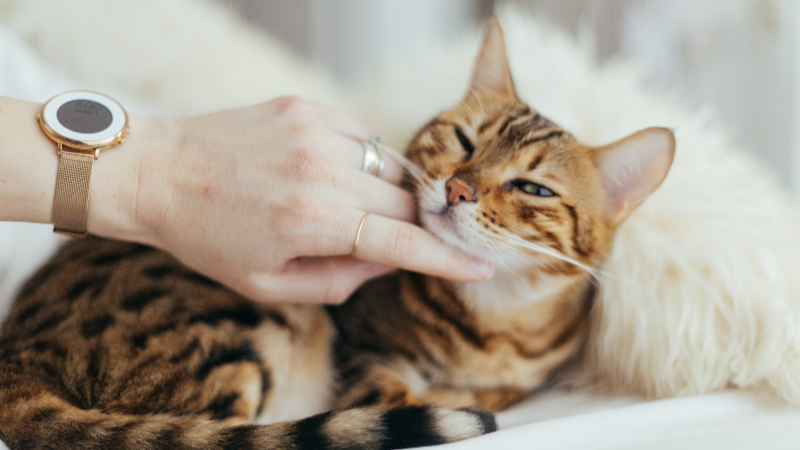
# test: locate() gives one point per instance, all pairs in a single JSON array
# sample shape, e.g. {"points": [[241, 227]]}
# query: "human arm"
{"points": [[265, 199]]}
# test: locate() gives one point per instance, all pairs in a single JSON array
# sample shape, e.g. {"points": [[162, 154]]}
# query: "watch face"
{"points": [[84, 116], [84, 119]]}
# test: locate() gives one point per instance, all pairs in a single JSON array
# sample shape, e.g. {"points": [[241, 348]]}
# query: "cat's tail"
{"points": [[44, 421]]}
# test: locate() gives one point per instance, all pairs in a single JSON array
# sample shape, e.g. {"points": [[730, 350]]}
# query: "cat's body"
{"points": [[117, 345]]}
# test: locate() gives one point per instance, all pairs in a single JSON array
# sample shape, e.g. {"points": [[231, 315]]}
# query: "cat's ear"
{"points": [[632, 168], [491, 71]]}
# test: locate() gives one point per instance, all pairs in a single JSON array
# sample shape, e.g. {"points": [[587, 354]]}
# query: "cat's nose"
{"points": [[457, 192]]}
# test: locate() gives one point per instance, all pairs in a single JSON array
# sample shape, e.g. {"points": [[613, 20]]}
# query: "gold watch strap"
{"points": [[71, 203]]}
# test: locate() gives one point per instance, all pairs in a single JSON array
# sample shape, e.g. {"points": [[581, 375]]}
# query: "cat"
{"points": [[116, 345]]}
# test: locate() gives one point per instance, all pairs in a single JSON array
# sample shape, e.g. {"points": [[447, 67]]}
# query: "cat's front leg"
{"points": [[376, 386]]}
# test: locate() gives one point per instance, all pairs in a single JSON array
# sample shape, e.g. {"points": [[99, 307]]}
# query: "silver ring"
{"points": [[377, 142], [373, 159], [381, 160]]}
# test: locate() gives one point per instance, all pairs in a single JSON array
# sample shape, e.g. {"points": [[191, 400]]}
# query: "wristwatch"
{"points": [[81, 123]]}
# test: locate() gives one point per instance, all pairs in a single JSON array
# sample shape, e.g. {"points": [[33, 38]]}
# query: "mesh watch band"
{"points": [[81, 123], [71, 203]]}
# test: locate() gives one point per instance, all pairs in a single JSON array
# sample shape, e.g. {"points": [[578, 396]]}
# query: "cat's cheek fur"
{"points": [[431, 196], [441, 228], [432, 200], [458, 227]]}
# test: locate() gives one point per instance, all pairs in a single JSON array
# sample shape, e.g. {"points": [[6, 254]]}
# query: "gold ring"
{"points": [[358, 234]]}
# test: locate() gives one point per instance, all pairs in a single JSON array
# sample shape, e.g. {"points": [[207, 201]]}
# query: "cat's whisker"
{"points": [[536, 266], [488, 246], [485, 252], [589, 271], [410, 167], [526, 258], [415, 184], [476, 118], [502, 261], [550, 252], [477, 98]]}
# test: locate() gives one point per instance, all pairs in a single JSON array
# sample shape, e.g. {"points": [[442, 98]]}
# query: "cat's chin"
{"points": [[440, 226]]}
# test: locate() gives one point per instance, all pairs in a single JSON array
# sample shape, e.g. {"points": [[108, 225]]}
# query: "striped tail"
{"points": [[44, 421]]}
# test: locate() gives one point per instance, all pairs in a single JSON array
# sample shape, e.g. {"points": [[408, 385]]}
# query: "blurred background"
{"points": [[741, 57]]}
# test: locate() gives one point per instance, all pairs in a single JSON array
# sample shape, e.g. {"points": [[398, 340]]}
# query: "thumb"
{"points": [[328, 280]]}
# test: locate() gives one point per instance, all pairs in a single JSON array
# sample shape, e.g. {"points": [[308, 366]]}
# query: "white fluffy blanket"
{"points": [[702, 290]]}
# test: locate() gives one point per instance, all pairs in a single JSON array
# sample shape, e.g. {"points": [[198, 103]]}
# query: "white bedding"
{"points": [[552, 420], [729, 420]]}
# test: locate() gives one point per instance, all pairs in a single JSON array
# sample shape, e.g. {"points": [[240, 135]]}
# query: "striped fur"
{"points": [[119, 346], [116, 346]]}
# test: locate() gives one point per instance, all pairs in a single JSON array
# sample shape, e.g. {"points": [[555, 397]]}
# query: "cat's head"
{"points": [[498, 180]]}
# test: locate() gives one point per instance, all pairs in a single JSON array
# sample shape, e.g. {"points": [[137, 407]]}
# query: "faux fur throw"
{"points": [[702, 290]]}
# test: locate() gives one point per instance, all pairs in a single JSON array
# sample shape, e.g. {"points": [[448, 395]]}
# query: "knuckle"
{"points": [[366, 128], [309, 169], [301, 133], [292, 105], [299, 211], [305, 165], [405, 244]]}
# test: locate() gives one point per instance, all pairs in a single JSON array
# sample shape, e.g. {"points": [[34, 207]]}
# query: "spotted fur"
{"points": [[115, 345]]}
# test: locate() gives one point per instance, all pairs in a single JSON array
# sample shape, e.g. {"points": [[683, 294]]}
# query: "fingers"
{"points": [[399, 244], [351, 152], [338, 136], [394, 243], [393, 171], [314, 280], [326, 226], [384, 199]]}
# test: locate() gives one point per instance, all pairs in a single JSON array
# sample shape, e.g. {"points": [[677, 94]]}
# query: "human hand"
{"points": [[267, 200]]}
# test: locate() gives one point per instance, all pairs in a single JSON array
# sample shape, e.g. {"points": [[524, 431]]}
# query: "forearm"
{"points": [[28, 164]]}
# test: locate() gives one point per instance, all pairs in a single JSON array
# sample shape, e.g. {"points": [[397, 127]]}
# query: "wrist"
{"points": [[125, 193]]}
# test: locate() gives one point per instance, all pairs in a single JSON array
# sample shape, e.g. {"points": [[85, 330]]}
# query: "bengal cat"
{"points": [[119, 346]]}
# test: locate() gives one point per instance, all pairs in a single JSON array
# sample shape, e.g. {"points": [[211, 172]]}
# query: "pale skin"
{"points": [[266, 199]]}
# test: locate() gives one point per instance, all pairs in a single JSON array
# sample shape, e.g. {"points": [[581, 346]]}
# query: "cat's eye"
{"points": [[465, 143], [534, 189]]}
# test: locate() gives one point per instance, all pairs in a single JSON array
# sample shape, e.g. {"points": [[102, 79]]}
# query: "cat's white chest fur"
{"points": [[509, 288], [302, 372]]}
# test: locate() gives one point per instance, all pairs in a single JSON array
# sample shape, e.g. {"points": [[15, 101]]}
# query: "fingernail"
{"points": [[482, 268]]}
